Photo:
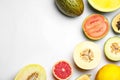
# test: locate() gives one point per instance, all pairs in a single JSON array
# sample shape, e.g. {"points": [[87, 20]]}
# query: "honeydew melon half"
{"points": [[112, 48], [87, 55], [31, 72]]}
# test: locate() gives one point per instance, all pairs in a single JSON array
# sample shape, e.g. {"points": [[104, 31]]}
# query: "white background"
{"points": [[34, 31]]}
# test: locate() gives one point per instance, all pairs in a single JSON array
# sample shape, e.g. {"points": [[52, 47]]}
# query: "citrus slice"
{"points": [[95, 26], [62, 70], [112, 48], [105, 5], [87, 55], [31, 72]]}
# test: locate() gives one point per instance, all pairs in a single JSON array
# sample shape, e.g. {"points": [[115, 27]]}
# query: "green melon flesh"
{"points": [[111, 49]]}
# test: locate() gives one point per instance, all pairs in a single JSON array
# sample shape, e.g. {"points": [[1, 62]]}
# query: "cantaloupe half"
{"points": [[105, 5]]}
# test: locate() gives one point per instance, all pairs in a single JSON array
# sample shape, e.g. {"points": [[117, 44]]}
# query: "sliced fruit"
{"points": [[87, 55], [105, 5], [108, 72], [112, 48], [70, 8], [116, 23], [95, 26], [31, 72], [62, 70], [84, 77]]}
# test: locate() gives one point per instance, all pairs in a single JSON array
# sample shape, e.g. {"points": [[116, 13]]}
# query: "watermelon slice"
{"points": [[62, 70]]}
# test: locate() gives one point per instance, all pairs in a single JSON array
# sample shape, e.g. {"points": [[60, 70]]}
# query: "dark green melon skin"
{"points": [[70, 8]]}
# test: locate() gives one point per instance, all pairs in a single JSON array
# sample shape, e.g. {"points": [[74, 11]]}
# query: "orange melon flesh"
{"points": [[105, 5], [95, 26]]}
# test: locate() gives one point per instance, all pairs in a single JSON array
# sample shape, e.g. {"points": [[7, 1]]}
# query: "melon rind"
{"points": [[105, 3], [27, 70], [71, 8], [81, 47], [107, 48]]}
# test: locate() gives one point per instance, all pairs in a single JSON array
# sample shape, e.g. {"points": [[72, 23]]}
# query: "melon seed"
{"points": [[33, 76], [87, 55], [118, 24]]}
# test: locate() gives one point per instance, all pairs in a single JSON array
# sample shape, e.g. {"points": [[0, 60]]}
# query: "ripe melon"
{"points": [[31, 72], [112, 48], [70, 8], [105, 5], [87, 55], [95, 26], [84, 77]]}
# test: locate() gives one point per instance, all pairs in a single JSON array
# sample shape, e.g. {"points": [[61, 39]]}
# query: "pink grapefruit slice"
{"points": [[95, 26], [62, 70]]}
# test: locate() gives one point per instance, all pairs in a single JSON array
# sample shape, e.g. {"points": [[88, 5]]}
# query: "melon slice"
{"points": [[87, 55], [116, 23], [62, 70], [31, 72], [95, 26], [84, 77], [112, 48], [105, 5]]}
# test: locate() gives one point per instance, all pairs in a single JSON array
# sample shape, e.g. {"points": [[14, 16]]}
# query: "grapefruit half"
{"points": [[62, 70]]}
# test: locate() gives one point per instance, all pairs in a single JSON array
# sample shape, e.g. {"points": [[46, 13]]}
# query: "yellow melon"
{"points": [[105, 5]]}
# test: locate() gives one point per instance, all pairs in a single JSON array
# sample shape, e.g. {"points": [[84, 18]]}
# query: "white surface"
{"points": [[34, 31]]}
